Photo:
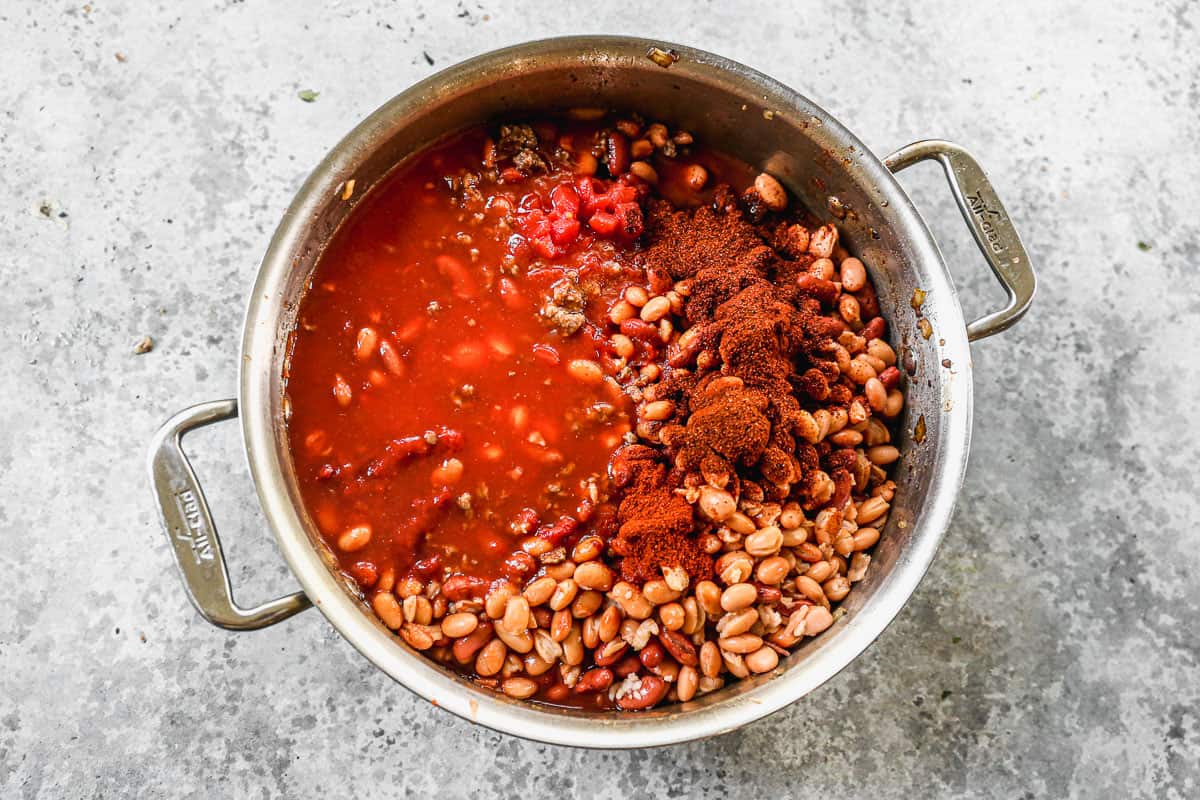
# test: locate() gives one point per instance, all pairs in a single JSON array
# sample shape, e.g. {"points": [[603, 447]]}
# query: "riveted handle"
{"points": [[989, 223], [190, 530]]}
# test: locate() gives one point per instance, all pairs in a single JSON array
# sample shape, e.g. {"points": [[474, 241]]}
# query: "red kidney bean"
{"points": [[510, 295], [465, 648], [874, 329], [612, 658], [518, 565], [525, 521], [627, 666], [463, 285], [616, 147], [651, 655], [426, 568], [890, 377], [460, 587], [547, 354], [640, 329], [557, 693], [396, 451], [558, 530], [659, 280], [680, 647], [868, 303], [594, 680], [365, 573], [648, 695], [768, 595], [811, 285]]}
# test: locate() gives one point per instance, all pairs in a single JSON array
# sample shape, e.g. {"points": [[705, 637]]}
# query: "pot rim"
{"points": [[827, 654]]}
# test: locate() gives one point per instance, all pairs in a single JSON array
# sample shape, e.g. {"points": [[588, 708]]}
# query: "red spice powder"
{"points": [[763, 345], [656, 524]]}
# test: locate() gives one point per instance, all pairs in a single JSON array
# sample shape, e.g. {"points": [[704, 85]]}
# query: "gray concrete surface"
{"points": [[1053, 650]]}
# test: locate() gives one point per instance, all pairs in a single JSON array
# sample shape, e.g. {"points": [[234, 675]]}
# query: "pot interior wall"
{"points": [[811, 155]]}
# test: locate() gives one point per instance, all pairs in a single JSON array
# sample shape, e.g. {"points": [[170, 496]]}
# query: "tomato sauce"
{"points": [[429, 399]]}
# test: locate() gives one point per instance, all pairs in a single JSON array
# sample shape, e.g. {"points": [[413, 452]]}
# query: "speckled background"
{"points": [[1053, 649]]}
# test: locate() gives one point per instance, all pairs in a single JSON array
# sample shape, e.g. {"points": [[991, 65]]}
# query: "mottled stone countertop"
{"points": [[147, 150]]}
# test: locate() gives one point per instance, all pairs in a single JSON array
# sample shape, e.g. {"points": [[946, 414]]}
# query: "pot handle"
{"points": [[989, 223], [190, 530]]}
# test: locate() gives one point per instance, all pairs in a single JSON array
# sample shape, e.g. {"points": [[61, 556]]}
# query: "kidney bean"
{"points": [[659, 280], [364, 345], [616, 148], [365, 574], [594, 575], [609, 625], [519, 564], [649, 694], [868, 302], [626, 666], [694, 178], [890, 377], [768, 595], [557, 693], [510, 295], [812, 286], [639, 329], [520, 688], [491, 658], [465, 648], [874, 329], [668, 670], [459, 625], [394, 452], [546, 353], [594, 680], [541, 590], [426, 568], [610, 653], [679, 646], [586, 603], [558, 530], [460, 587], [687, 683], [651, 655]]}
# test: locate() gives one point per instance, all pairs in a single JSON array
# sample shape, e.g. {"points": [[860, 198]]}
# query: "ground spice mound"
{"points": [[681, 242], [759, 345], [656, 523], [727, 421]]}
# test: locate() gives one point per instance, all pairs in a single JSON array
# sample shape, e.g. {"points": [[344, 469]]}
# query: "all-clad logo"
{"points": [[987, 219], [195, 534]]}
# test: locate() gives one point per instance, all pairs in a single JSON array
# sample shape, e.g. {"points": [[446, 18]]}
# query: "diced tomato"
{"points": [[565, 199], [604, 223], [544, 247], [558, 530], [564, 230]]}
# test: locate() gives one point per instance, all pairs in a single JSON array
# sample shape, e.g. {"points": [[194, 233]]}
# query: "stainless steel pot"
{"points": [[735, 109]]}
